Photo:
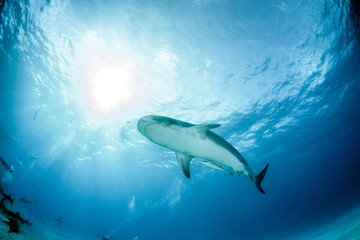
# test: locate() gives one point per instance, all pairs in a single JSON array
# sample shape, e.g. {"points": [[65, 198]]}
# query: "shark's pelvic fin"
{"points": [[215, 166], [238, 173], [184, 162], [205, 127], [259, 179]]}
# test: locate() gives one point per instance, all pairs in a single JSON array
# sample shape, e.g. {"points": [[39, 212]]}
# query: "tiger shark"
{"points": [[189, 141]]}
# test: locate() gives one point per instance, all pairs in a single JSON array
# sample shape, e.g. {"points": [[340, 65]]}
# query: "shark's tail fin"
{"points": [[259, 179]]}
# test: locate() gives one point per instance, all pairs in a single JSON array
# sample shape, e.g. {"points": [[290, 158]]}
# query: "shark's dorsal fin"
{"points": [[215, 166], [205, 127], [184, 162]]}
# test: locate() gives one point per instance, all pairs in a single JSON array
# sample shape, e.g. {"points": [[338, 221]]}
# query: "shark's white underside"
{"points": [[189, 141]]}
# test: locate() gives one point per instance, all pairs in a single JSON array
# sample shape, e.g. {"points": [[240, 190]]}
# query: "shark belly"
{"points": [[189, 141], [209, 150], [193, 144]]}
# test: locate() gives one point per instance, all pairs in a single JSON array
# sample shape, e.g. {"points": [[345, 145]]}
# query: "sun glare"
{"points": [[110, 81], [111, 87]]}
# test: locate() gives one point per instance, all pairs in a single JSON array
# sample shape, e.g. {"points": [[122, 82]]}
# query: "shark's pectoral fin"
{"points": [[215, 166], [205, 127], [184, 162]]}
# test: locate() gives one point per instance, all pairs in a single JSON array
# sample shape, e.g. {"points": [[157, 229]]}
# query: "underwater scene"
{"points": [[187, 119]]}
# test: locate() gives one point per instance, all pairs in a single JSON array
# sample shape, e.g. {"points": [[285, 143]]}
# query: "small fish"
{"points": [[36, 113], [106, 237], [216, 166], [24, 200], [59, 221], [28, 223]]}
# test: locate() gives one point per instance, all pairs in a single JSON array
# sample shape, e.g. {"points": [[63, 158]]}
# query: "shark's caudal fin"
{"points": [[259, 179]]}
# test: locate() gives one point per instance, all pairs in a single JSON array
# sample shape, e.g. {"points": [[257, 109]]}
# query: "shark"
{"points": [[188, 141]]}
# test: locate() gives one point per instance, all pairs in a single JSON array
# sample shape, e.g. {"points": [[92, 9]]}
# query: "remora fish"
{"points": [[189, 141], [59, 221], [24, 200]]}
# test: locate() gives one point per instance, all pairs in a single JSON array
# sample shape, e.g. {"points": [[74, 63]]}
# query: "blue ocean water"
{"points": [[281, 77]]}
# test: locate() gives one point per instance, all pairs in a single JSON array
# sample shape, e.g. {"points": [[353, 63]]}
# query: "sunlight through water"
{"points": [[280, 78], [110, 80], [111, 87]]}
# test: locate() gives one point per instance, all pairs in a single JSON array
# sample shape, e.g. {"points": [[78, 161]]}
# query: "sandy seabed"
{"points": [[346, 228], [36, 232]]}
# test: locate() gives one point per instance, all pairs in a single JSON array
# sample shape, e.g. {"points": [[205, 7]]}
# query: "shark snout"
{"points": [[143, 123]]}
